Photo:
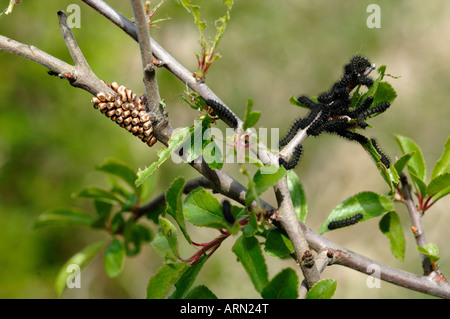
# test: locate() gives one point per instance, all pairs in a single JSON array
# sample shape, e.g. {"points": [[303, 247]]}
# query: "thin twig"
{"points": [[143, 33], [416, 221]]}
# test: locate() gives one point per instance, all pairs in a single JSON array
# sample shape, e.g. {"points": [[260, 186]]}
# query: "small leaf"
{"points": [[420, 185], [441, 194], [203, 209], [262, 182], [175, 141], [103, 210], [251, 118], [134, 236], [169, 231], [402, 162], [416, 162], [161, 283], [64, 217], [248, 250], [252, 226], [200, 292], [443, 164], [293, 100], [277, 244], [391, 227], [162, 247], [323, 289], [283, 286], [187, 279], [297, 195], [81, 259], [100, 194], [390, 174], [119, 169], [430, 250], [438, 183], [146, 189], [174, 204], [114, 258], [369, 204]]}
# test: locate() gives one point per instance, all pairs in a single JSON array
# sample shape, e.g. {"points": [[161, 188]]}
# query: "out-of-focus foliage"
{"points": [[51, 139]]}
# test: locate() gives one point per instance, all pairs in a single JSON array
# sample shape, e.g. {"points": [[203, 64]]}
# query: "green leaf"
{"points": [[293, 100], [277, 244], [369, 204], [103, 211], [170, 233], [114, 258], [391, 227], [187, 279], [100, 194], [162, 247], [402, 162], [147, 188], [119, 169], [81, 259], [416, 162], [134, 236], [248, 250], [117, 222], [297, 195], [201, 143], [441, 194], [390, 174], [174, 204], [65, 216], [174, 143], [430, 250], [161, 283], [262, 182], [323, 289], [203, 209], [380, 91], [385, 93], [438, 183], [252, 226], [443, 164], [420, 185], [251, 118], [283, 286], [200, 292]]}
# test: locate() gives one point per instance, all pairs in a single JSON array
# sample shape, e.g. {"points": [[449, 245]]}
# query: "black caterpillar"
{"points": [[226, 210], [223, 112], [294, 159], [345, 222], [384, 159], [332, 112]]}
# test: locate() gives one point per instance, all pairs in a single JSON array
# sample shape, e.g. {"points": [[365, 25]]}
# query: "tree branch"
{"points": [[151, 85], [169, 62]]}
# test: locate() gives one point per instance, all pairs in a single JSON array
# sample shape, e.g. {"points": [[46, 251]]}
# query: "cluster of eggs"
{"points": [[127, 110]]}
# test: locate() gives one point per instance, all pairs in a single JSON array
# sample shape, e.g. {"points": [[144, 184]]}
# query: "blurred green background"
{"points": [[51, 138]]}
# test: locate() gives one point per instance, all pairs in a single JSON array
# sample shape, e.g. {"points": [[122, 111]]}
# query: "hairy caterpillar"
{"points": [[223, 112], [384, 159], [294, 159], [345, 222], [226, 210]]}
